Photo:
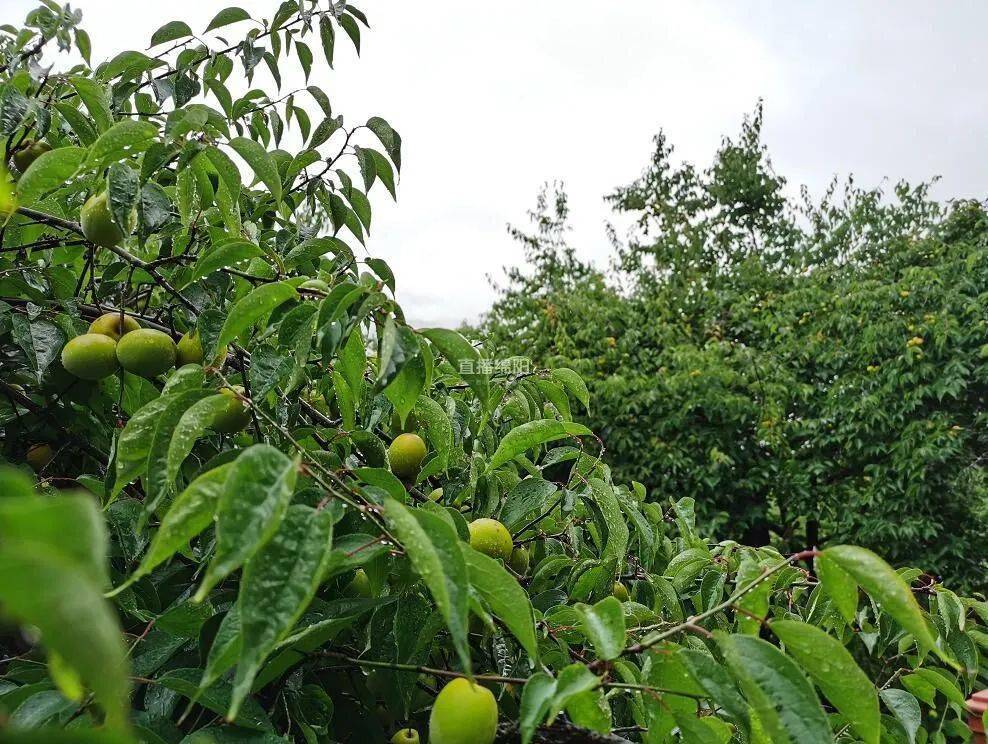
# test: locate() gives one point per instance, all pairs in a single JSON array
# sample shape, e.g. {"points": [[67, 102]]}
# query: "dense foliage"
{"points": [[810, 372], [265, 509]]}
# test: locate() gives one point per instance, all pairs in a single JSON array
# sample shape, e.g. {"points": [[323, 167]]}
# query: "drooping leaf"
{"points": [[532, 434], [253, 501], [835, 672], [505, 596], [277, 585]]}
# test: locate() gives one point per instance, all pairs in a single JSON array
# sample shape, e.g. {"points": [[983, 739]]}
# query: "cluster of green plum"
{"points": [[117, 341]]}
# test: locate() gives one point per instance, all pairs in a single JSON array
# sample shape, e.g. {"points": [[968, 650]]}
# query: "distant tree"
{"points": [[809, 371]]}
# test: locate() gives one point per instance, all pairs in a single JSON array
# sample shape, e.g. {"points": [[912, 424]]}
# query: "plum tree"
{"points": [[98, 224], [491, 538], [91, 356], [312, 539], [147, 352], [114, 325], [28, 152], [463, 713], [406, 453]]}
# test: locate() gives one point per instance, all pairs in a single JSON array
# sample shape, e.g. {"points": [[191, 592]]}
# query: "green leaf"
{"points": [[352, 30], [388, 137], [278, 584], [216, 698], [783, 698], [123, 190], [464, 358], [252, 308], [227, 253], [529, 495], [97, 99], [438, 429], [573, 680], [532, 434], [156, 482], [905, 708], [838, 585], [835, 673], [432, 546], [191, 426], [944, 684], [574, 384], [52, 170], [887, 588], [327, 35], [254, 499], [170, 32], [227, 16], [42, 583], [123, 140], [135, 440], [603, 625], [398, 347], [714, 679], [261, 162], [536, 697], [385, 480], [505, 597], [189, 514], [404, 389]]}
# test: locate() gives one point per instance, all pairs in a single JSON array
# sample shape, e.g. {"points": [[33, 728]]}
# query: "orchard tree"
{"points": [[266, 509], [811, 372]]}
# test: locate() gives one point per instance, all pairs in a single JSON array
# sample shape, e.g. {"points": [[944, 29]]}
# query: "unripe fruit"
{"points": [[492, 538], [406, 736], [110, 324], [39, 455], [28, 153], [97, 222], [360, 586], [406, 454], [464, 713], [436, 494], [189, 350], [235, 417], [146, 352], [91, 356], [520, 560], [315, 284], [621, 591]]}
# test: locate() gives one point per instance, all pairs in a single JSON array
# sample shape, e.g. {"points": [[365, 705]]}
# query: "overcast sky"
{"points": [[494, 99]]}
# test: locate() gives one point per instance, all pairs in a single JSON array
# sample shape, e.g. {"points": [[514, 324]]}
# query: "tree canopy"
{"points": [[810, 371]]}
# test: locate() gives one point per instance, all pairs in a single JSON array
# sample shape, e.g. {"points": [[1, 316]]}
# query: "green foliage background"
{"points": [[166, 580], [810, 371]]}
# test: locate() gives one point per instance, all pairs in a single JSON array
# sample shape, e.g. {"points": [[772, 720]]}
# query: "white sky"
{"points": [[492, 100]]}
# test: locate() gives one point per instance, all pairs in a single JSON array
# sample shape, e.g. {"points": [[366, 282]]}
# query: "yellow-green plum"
{"points": [[406, 454], [235, 416], [492, 538], [464, 713], [146, 352], [91, 356], [98, 224], [114, 325]]}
